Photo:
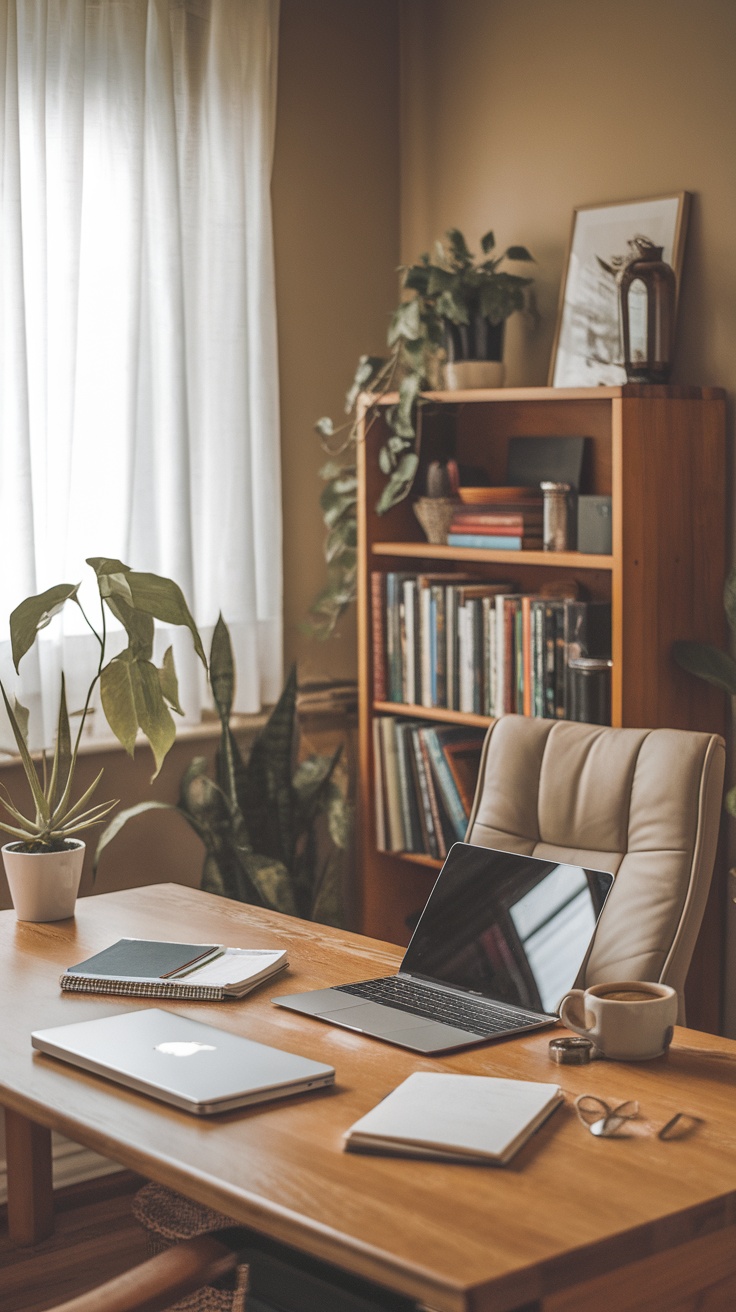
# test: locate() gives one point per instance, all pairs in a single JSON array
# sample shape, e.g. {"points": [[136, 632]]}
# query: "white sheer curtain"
{"points": [[138, 374]]}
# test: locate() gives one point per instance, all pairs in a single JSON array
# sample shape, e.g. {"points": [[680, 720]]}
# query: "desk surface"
{"points": [[454, 1237]]}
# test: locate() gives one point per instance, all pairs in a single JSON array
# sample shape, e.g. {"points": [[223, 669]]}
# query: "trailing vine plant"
{"points": [[453, 289]]}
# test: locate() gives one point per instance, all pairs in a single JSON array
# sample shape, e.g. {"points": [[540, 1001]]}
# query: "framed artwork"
{"points": [[587, 350]]}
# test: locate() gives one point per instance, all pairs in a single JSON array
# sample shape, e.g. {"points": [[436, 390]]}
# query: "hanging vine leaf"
{"points": [[451, 289]]}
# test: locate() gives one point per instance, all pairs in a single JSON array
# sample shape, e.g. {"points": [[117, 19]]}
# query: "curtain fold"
{"points": [[138, 366]]}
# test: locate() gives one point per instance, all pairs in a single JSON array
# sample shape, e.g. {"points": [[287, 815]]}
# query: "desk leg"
{"points": [[30, 1182]]}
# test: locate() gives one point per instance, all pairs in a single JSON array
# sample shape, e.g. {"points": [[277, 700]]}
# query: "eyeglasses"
{"points": [[607, 1122], [604, 1121]]}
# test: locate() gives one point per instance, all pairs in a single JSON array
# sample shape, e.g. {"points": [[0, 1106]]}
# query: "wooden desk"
{"points": [[649, 1223]]}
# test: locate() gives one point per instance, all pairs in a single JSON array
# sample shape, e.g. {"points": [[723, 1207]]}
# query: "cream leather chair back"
{"points": [[642, 803]]}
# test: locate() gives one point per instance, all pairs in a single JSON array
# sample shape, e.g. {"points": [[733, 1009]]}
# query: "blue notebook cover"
{"points": [[490, 541]]}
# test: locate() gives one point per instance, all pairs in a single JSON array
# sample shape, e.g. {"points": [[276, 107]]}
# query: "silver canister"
{"points": [[556, 516]]}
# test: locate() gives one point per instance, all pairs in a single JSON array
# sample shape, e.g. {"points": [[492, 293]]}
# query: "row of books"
{"points": [[425, 779], [443, 641]]}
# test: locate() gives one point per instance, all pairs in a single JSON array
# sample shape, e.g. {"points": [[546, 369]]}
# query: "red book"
{"points": [[378, 629], [526, 651], [491, 530], [517, 520]]}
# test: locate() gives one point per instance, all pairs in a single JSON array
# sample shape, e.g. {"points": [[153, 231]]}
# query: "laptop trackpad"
{"points": [[373, 1018]]}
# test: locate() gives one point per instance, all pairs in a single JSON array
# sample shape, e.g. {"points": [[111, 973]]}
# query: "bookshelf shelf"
{"points": [[659, 453], [549, 559], [421, 859], [436, 713]]}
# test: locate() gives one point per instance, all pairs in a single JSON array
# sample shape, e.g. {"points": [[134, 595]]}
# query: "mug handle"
{"points": [[572, 1012]]}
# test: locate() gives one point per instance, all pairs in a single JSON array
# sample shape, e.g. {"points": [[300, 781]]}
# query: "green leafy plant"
{"points": [[273, 831], [708, 662], [446, 304], [134, 693]]}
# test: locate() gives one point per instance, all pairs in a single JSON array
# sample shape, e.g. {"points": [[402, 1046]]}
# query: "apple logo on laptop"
{"points": [[181, 1049]]}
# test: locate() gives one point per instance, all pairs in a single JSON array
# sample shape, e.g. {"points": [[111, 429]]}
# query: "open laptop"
{"points": [[184, 1062], [501, 940]]}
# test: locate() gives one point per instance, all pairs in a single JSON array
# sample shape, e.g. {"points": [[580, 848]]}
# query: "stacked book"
{"points": [[425, 779], [498, 519], [449, 642]]}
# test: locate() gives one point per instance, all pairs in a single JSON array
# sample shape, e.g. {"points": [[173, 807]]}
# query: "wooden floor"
{"points": [[95, 1238]]}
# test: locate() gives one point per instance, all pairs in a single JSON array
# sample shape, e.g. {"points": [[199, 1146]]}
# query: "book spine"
{"points": [[549, 661], [519, 660], [526, 653], [393, 639], [402, 672], [492, 523], [493, 686], [477, 623], [410, 667], [441, 849], [486, 541], [378, 796], [451, 663], [446, 784], [509, 661], [149, 988], [406, 789], [440, 647], [431, 845], [378, 625], [498, 707], [538, 656], [465, 644], [560, 670], [485, 610], [425, 657], [432, 647], [391, 775]]}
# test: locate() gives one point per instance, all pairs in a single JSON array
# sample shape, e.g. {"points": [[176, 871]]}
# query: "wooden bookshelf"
{"points": [[659, 452]]}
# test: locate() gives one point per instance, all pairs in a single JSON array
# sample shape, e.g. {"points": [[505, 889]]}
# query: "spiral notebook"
{"points": [[148, 968]]}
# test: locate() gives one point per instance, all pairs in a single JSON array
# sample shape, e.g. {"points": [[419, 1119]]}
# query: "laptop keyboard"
{"points": [[434, 1004]]}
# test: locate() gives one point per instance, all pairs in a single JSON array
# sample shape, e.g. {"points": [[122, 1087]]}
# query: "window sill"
{"points": [[207, 731]]}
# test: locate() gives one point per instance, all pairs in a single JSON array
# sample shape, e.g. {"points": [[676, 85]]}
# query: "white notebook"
{"points": [[459, 1118]]}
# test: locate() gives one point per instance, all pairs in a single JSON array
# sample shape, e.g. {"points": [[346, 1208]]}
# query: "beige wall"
{"points": [[516, 111], [336, 227]]}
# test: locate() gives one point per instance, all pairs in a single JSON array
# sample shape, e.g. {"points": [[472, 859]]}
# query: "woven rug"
{"points": [[168, 1218]]}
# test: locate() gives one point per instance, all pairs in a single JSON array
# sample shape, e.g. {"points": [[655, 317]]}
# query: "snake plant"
{"points": [[273, 830]]}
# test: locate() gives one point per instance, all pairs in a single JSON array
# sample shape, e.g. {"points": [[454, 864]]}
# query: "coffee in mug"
{"points": [[628, 1021]]}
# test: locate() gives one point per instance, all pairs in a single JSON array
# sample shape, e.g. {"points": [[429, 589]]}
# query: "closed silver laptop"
{"points": [[184, 1062]]}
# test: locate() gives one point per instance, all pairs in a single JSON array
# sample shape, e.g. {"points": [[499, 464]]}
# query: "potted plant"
{"points": [[43, 862], [446, 330], [273, 828], [472, 300]]}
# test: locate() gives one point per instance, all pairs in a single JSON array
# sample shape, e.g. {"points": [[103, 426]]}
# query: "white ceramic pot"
{"points": [[462, 375], [44, 885]]}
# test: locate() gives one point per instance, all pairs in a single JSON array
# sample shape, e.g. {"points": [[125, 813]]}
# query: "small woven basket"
{"points": [[435, 515], [169, 1218]]}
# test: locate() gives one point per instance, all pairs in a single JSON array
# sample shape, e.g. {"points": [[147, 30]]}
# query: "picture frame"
{"points": [[587, 349]]}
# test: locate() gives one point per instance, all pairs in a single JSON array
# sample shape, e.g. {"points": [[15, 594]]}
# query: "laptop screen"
{"points": [[512, 928]]}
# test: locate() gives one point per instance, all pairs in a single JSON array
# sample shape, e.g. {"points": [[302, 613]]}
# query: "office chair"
{"points": [[166, 1278], [642, 803]]}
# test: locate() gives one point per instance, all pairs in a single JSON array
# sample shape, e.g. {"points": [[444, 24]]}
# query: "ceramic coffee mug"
{"points": [[630, 1021]]}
